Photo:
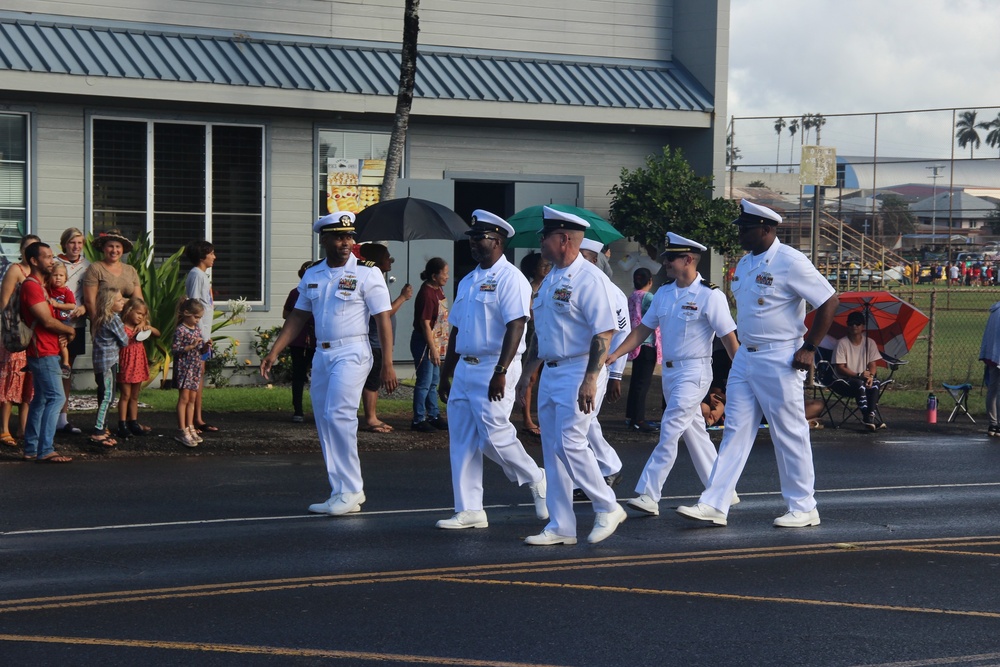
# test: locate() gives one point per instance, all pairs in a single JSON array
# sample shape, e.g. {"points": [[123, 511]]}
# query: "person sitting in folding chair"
{"points": [[855, 359]]}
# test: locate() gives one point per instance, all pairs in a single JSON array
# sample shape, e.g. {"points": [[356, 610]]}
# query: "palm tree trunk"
{"points": [[404, 99]]}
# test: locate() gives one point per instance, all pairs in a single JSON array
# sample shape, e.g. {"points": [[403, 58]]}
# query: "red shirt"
{"points": [[46, 343]]}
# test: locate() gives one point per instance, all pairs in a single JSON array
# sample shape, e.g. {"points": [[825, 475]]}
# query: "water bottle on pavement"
{"points": [[932, 409]]}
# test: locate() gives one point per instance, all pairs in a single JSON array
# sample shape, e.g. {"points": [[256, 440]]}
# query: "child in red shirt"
{"points": [[63, 303]]}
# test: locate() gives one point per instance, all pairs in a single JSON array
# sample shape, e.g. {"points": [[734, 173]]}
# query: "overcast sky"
{"points": [[790, 57]]}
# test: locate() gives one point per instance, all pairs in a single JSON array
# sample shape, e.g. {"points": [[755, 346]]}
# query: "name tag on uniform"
{"points": [[349, 283], [563, 294], [312, 285], [765, 279]]}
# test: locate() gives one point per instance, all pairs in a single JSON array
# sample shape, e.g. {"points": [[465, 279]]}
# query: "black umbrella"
{"points": [[409, 219]]}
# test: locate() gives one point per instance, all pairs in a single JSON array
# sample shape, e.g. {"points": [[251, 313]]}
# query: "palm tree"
{"points": [[967, 135], [993, 138], [818, 123], [807, 124], [779, 125], [404, 99], [793, 127]]}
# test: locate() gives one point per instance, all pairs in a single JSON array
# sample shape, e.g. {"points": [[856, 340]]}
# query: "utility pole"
{"points": [[935, 169]]}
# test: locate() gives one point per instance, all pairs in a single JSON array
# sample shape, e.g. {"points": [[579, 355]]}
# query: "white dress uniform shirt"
{"points": [[689, 319], [485, 302], [576, 301], [771, 290], [341, 299], [572, 306]]}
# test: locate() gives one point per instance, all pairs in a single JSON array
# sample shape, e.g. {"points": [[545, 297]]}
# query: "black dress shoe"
{"points": [[423, 427], [440, 423], [614, 479]]}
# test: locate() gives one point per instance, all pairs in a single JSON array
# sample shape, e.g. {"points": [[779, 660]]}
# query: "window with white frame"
{"points": [[13, 183], [182, 182]]}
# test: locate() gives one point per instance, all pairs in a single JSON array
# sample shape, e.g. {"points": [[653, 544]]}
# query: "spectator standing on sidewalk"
{"points": [[72, 241], [43, 358], [428, 343], [989, 354]]}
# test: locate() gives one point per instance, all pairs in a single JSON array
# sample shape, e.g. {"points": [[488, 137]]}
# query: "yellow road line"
{"points": [[460, 573], [267, 650], [725, 596]]}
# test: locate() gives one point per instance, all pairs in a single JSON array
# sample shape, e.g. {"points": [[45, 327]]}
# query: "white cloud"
{"points": [[790, 57]]}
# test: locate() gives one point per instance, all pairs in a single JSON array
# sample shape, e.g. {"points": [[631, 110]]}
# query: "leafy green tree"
{"points": [[666, 195], [757, 184], [896, 217], [967, 135]]}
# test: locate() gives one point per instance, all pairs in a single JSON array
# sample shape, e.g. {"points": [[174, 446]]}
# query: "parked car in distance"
{"points": [[969, 257]]}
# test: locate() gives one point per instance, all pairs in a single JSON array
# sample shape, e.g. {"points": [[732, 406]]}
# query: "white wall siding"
{"points": [[598, 157], [633, 29], [58, 170]]}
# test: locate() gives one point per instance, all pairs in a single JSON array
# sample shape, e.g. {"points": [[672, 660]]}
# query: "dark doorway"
{"points": [[492, 196]]}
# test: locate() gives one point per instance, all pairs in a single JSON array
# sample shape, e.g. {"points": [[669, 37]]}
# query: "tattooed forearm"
{"points": [[598, 352]]}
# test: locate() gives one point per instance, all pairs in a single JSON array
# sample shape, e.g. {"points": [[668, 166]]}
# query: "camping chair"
{"points": [[836, 393], [960, 394]]}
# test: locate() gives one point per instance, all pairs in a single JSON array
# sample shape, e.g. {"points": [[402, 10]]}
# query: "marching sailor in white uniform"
{"points": [[340, 293], [690, 313], [574, 321], [772, 284], [484, 354]]}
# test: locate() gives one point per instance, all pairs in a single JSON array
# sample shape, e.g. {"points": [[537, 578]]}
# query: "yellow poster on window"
{"points": [[352, 185]]}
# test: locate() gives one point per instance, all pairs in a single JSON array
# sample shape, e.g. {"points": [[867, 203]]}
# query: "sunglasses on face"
{"points": [[482, 237]]}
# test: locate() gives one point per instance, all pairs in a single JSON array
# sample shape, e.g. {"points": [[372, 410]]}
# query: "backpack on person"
{"points": [[16, 335]]}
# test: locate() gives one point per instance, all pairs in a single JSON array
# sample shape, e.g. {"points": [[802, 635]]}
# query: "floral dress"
{"points": [[133, 365], [187, 371], [15, 384]]}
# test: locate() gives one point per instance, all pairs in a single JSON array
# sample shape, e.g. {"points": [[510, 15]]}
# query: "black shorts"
{"points": [[78, 346], [374, 379]]}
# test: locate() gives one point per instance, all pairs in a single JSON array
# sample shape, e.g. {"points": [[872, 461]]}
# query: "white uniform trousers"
{"points": [[607, 458], [764, 383], [478, 426], [684, 386], [569, 460], [338, 375]]}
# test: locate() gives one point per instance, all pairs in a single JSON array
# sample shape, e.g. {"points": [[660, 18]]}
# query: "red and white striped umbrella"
{"points": [[892, 323]]}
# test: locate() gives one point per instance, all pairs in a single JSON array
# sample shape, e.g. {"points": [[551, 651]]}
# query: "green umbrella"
{"points": [[527, 222]]}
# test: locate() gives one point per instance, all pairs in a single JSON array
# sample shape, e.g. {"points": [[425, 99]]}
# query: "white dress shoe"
{"points": [[547, 538], [347, 503], [792, 519], [606, 523], [538, 490], [735, 500], [644, 504], [324, 508], [465, 519], [703, 512]]}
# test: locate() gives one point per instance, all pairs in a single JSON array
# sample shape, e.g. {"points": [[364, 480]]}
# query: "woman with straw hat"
{"points": [[110, 270]]}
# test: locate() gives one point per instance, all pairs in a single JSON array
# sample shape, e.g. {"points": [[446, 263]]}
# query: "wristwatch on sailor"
{"points": [[808, 347], [499, 370]]}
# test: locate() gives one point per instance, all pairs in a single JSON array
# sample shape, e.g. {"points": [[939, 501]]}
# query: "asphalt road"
{"points": [[214, 561]]}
